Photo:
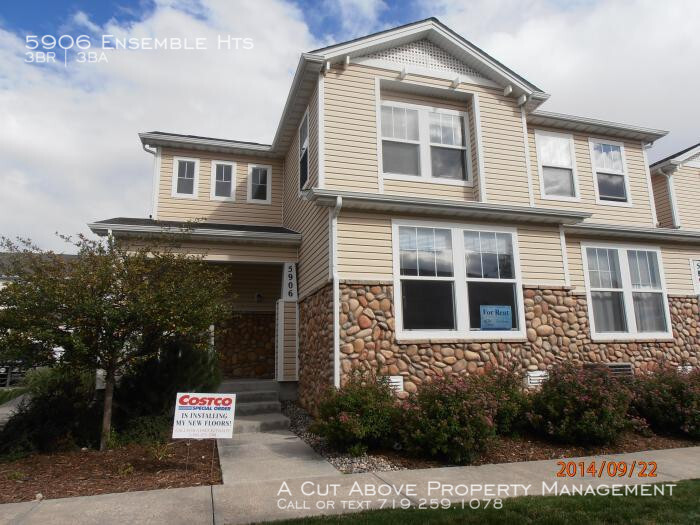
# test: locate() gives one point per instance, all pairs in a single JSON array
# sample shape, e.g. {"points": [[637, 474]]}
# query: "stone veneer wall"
{"points": [[315, 347], [246, 345], [556, 326]]}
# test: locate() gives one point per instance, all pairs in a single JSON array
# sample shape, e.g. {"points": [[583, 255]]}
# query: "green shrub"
{"points": [[146, 430], [359, 416], [449, 419], [669, 401], [61, 412], [511, 401], [582, 406]]}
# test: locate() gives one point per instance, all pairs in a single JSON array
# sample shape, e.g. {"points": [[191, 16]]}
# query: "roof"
{"points": [[205, 230], [632, 233], [679, 157], [594, 126]]}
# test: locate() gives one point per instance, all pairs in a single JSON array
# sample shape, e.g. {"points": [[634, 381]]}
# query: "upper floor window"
{"points": [[424, 142], [185, 177], [304, 151], [259, 183], [609, 171], [223, 180], [556, 165]]}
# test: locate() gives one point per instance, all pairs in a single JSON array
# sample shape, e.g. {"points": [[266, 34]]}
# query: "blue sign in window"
{"points": [[496, 317]]}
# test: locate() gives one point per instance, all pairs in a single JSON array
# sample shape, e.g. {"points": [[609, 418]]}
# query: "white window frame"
{"points": [[572, 148], [304, 148], [195, 184], [251, 200], [424, 144], [592, 141], [212, 193], [460, 285], [633, 334], [695, 274]]}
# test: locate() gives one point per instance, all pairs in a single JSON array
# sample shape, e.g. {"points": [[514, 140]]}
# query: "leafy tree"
{"points": [[109, 308]]}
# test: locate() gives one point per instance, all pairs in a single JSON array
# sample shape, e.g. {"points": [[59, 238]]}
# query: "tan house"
{"points": [[417, 213]]}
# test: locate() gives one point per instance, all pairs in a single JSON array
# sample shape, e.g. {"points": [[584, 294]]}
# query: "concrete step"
{"points": [[260, 423], [248, 385], [258, 407], [256, 396]]}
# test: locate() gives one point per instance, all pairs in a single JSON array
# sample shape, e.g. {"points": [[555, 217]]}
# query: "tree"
{"points": [[99, 308]]}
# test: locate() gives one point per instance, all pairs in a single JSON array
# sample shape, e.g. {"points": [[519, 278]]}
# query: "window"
{"points": [[557, 169], [456, 281], [424, 143], [304, 151], [627, 296], [185, 177], [223, 181], [259, 182], [609, 170]]}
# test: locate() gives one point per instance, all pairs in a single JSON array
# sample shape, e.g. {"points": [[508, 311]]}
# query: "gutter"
{"points": [[336, 291], [433, 207], [293, 239], [632, 233]]}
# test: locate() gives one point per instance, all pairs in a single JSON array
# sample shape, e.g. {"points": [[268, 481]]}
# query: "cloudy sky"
{"points": [[69, 151]]}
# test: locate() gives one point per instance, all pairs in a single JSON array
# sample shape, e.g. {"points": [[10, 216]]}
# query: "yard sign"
{"points": [[204, 416]]}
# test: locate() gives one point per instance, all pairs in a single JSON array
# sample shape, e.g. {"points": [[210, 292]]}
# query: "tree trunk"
{"points": [[107, 410]]}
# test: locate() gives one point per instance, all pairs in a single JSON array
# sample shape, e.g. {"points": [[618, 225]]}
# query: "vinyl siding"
{"points": [[351, 138], [308, 219], [289, 341], [203, 208], [249, 280], [365, 250], [662, 200], [639, 214], [238, 252], [686, 186]]}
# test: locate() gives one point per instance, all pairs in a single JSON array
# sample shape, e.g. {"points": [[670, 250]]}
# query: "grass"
{"points": [[8, 394], [681, 508]]}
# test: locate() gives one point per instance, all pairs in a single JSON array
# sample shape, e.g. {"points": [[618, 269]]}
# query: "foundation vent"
{"points": [[536, 378], [616, 369]]}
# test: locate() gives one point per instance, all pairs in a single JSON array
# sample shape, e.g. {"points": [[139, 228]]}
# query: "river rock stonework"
{"points": [[315, 347], [246, 346], [556, 326]]}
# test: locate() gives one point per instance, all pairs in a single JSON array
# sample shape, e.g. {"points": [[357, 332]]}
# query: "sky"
{"points": [[69, 150]]}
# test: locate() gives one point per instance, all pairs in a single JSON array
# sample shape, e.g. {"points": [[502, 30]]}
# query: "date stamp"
{"points": [[612, 469]]}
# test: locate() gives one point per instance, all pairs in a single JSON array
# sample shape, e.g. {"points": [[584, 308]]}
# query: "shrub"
{"points": [[511, 401], [359, 416], [583, 406], [669, 401], [449, 419]]}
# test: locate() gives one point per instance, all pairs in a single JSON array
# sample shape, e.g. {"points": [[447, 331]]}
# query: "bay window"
{"points": [[556, 165], [627, 295], [424, 143], [609, 171], [456, 281]]}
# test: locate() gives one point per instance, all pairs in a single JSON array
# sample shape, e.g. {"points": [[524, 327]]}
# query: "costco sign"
{"points": [[204, 416]]}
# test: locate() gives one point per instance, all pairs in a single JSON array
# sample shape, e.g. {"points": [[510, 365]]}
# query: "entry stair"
{"points": [[258, 407]]}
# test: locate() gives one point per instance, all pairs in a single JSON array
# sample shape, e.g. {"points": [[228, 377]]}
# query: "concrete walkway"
{"points": [[8, 408], [251, 501]]}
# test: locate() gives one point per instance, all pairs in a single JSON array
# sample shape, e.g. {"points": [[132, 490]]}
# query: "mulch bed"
{"points": [[123, 469]]}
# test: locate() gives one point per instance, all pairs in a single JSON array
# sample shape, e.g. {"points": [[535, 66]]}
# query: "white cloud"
{"points": [[632, 61], [357, 17], [69, 153]]}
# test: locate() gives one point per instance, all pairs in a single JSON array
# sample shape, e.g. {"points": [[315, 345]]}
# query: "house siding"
{"points": [[686, 187], [664, 213]]}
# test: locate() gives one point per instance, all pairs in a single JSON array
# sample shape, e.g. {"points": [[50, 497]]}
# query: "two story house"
{"points": [[418, 214]]}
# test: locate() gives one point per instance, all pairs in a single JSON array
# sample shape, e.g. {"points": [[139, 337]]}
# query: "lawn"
{"points": [[683, 507]]}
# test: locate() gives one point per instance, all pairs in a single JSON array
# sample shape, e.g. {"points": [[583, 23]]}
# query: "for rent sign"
{"points": [[204, 416]]}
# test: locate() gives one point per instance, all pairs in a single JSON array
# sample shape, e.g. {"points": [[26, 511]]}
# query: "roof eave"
{"points": [[594, 126], [205, 144], [634, 234]]}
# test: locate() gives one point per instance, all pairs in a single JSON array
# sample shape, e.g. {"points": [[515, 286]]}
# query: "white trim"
{"points": [[157, 163], [624, 173], [572, 148], [528, 167], [694, 264], [195, 184], [564, 256], [460, 285], [250, 199], [479, 148], [378, 122], [303, 150], [212, 181], [320, 119], [296, 342], [336, 291], [633, 334], [650, 187], [279, 354], [675, 212]]}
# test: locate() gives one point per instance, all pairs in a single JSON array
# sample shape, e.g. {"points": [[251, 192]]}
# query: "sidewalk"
{"points": [[246, 502], [8, 408]]}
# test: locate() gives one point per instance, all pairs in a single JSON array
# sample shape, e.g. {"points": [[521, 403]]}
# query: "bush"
{"points": [[450, 419], [359, 416], [582, 406], [511, 401], [60, 413], [669, 401]]}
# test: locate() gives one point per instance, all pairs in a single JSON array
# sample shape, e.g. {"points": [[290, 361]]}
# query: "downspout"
{"points": [[336, 291], [154, 189]]}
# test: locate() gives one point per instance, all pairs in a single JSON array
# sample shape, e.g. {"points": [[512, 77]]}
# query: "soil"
{"points": [[123, 469]]}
